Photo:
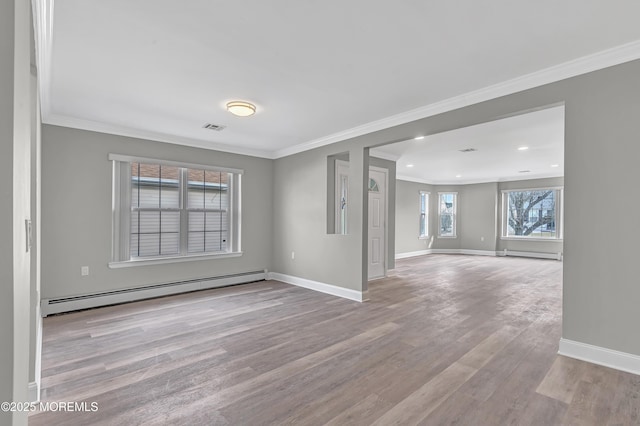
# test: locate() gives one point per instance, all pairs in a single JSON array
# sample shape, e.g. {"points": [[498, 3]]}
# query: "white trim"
{"points": [[85, 301], [119, 130], [409, 254], [559, 214], [385, 156], [181, 164], [341, 170], [385, 172], [454, 216], [622, 361], [593, 62], [33, 392], [555, 256], [334, 290], [172, 259], [427, 234], [413, 179], [603, 59]]}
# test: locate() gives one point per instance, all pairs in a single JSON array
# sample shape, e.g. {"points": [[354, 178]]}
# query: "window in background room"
{"points": [[532, 213], [424, 214], [342, 196], [164, 209], [447, 214]]}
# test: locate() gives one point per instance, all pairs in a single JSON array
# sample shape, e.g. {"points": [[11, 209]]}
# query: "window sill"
{"points": [[553, 240], [175, 259], [448, 236], [424, 237]]}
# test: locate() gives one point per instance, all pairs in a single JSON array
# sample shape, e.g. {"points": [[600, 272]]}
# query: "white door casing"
{"points": [[377, 223]]}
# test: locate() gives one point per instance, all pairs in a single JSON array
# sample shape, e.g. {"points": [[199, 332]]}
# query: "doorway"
{"points": [[377, 230]]}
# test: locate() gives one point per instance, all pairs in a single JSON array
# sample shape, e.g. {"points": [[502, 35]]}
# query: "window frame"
{"points": [[427, 196], [121, 208], [454, 215], [559, 215], [341, 224]]}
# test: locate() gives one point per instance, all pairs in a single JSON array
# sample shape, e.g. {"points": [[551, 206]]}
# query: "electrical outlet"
{"points": [[84, 271], [293, 255], [481, 238]]}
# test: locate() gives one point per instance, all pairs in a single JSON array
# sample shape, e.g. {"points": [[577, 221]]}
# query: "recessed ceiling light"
{"points": [[409, 165], [419, 138], [555, 165], [241, 108], [523, 148], [458, 175]]}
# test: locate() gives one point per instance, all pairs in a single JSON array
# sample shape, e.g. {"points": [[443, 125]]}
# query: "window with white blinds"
{"points": [[165, 209]]}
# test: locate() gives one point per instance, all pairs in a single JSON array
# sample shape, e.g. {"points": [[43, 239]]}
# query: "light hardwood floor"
{"points": [[445, 339]]}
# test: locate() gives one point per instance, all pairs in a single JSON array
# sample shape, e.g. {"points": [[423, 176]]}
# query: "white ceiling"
{"points": [[319, 72], [438, 158]]}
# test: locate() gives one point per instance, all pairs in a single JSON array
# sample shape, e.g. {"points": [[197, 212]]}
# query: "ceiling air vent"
{"points": [[524, 171], [468, 150], [215, 127]]}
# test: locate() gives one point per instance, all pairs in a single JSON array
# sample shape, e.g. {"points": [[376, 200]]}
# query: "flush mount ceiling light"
{"points": [[523, 148], [241, 108], [419, 138]]}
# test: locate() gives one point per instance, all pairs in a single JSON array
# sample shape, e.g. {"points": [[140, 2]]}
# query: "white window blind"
{"points": [[163, 209]]}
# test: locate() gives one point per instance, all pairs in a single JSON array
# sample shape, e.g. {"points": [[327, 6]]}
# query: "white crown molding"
{"points": [[79, 123], [622, 361], [606, 58], [413, 179], [331, 289], [384, 156], [44, 26]]}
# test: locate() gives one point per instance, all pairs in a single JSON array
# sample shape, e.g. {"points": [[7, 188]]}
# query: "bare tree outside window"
{"points": [[532, 213]]}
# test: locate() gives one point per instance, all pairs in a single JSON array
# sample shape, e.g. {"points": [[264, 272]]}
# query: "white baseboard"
{"points": [[412, 254], [74, 303], [555, 256], [33, 393], [334, 290], [602, 356], [445, 251]]}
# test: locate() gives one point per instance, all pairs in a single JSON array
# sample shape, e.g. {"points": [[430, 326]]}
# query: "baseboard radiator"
{"points": [[86, 301], [555, 256]]}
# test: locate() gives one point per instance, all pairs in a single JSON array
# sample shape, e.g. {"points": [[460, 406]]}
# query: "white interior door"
{"points": [[377, 223]]}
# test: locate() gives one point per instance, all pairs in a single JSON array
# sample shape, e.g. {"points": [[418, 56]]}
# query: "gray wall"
{"points": [[299, 226], [76, 213], [407, 216], [477, 207], [601, 294], [15, 129], [479, 217]]}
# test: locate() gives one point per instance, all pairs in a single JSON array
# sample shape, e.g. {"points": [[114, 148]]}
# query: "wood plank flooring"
{"points": [[445, 339]]}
